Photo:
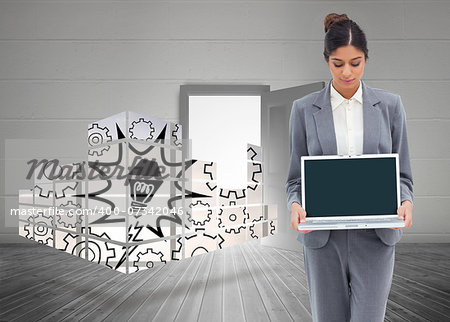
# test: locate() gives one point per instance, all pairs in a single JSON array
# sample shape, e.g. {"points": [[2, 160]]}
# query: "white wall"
{"points": [[66, 63]]}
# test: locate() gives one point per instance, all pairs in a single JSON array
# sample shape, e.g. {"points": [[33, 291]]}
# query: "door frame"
{"points": [[213, 90]]}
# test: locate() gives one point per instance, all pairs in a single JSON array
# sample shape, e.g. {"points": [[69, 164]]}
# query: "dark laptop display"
{"points": [[350, 187]]}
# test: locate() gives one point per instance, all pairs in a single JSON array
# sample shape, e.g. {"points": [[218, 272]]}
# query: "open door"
{"points": [[275, 113]]}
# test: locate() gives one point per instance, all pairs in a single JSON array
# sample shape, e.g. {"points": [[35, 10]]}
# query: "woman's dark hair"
{"points": [[340, 31]]}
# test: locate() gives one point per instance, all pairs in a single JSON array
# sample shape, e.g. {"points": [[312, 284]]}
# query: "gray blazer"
{"points": [[311, 131]]}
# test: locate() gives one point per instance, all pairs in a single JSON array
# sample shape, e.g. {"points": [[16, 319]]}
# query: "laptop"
{"points": [[350, 192]]}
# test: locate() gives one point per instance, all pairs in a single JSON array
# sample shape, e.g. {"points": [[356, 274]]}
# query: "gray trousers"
{"points": [[350, 277]]}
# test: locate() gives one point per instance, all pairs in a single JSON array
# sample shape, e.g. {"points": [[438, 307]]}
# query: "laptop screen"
{"points": [[350, 186]]}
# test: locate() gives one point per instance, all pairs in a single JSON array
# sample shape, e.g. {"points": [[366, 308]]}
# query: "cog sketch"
{"points": [[176, 135], [148, 259], [227, 194], [197, 244], [44, 219], [253, 233], [28, 229], [98, 135], [42, 232], [69, 219], [43, 228], [256, 174], [205, 213], [255, 214], [98, 251], [234, 192], [254, 153], [141, 129], [210, 173], [273, 228], [46, 189], [251, 153], [232, 217], [211, 186], [70, 204]]}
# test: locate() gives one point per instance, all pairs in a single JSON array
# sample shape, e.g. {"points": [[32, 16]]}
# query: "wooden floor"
{"points": [[243, 283]]}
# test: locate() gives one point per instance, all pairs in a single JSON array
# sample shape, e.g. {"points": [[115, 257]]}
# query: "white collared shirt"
{"points": [[348, 121]]}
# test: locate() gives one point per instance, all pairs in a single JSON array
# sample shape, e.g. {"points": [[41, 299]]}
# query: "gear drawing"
{"points": [[176, 135], [210, 173], [205, 215], [148, 259], [44, 219], [257, 168], [232, 217], [234, 230], [98, 250], [141, 129], [233, 237], [70, 204], [48, 241], [46, 189], [43, 234], [29, 232], [273, 228], [253, 234], [197, 244], [71, 241], [98, 135], [211, 186], [234, 192], [69, 219], [255, 214], [259, 219], [239, 194], [251, 153]]}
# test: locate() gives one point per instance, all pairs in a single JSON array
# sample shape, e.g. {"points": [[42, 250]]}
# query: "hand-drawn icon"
{"points": [[145, 180], [148, 259], [98, 135], [152, 172], [197, 244], [69, 219], [200, 213], [232, 219], [141, 129]]}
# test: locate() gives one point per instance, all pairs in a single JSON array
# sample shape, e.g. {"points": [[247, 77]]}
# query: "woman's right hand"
{"points": [[298, 215]]}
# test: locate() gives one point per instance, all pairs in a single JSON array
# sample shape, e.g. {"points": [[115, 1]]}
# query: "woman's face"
{"points": [[347, 67]]}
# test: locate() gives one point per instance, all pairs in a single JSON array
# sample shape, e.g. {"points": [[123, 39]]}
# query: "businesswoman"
{"points": [[349, 272]]}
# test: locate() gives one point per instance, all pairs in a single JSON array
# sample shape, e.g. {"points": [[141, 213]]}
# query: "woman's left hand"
{"points": [[405, 213]]}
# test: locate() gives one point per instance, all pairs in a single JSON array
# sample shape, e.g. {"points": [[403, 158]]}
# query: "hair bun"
{"points": [[332, 18]]}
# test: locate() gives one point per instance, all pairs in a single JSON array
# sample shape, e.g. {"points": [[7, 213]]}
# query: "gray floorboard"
{"points": [[248, 282], [233, 307], [192, 302], [212, 299]]}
